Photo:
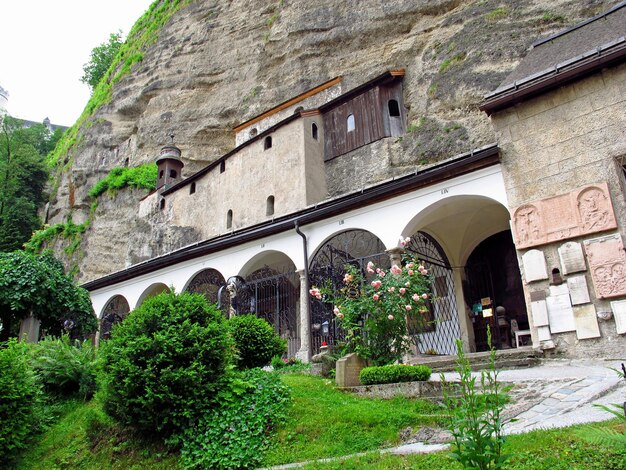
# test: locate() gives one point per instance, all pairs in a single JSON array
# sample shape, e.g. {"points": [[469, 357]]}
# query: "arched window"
{"points": [[394, 108], [160, 174], [268, 143], [229, 219], [350, 122], [314, 131], [192, 188], [222, 166], [269, 208], [173, 174], [162, 204]]}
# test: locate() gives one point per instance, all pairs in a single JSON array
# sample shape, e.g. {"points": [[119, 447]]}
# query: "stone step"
{"points": [[505, 359]]}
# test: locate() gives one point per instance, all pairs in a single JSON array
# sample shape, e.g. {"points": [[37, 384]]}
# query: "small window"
{"points": [[253, 132], [314, 131], [162, 204], [394, 109], [269, 210], [192, 188], [161, 174], [229, 219], [268, 143], [222, 166], [173, 174], [350, 122]]}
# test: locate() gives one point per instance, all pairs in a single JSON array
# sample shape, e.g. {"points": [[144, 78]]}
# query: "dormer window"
{"points": [[350, 122], [394, 108], [267, 144], [314, 131], [269, 208], [229, 219]]}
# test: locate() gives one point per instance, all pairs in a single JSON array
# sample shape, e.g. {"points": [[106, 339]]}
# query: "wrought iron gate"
{"points": [[115, 311], [207, 282]]}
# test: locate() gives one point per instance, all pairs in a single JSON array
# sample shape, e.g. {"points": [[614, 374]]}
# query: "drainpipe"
{"points": [[305, 251]]}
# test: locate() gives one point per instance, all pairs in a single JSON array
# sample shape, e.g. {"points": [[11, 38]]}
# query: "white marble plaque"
{"points": [[572, 259], [586, 322], [560, 312], [543, 333], [561, 289], [578, 291], [540, 313], [619, 313], [534, 266]]}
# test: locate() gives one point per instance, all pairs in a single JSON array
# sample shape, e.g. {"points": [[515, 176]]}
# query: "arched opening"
{"points": [[229, 219], [394, 108], [154, 289], [267, 143], [314, 131], [115, 311], [356, 247], [350, 123], [269, 206], [208, 283], [173, 174], [192, 188], [161, 173]]}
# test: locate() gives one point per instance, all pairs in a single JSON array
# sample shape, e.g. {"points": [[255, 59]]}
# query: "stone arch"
{"points": [[151, 291], [206, 282], [115, 311]]}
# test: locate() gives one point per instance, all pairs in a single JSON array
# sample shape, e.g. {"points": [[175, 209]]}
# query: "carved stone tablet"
{"points": [[560, 312], [534, 266], [572, 259], [543, 333], [607, 263], [537, 295], [619, 313], [578, 291], [580, 212], [586, 322], [539, 311]]}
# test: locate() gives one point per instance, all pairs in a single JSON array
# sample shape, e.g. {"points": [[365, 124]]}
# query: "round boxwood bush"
{"points": [[255, 341], [164, 363], [394, 374]]}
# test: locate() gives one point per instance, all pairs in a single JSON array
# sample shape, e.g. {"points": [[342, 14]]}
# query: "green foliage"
{"points": [[236, 433], [497, 14], [447, 63], [101, 59], [394, 374], [66, 230], [23, 175], [476, 422], [164, 363], [255, 341], [38, 285], [141, 177], [375, 314], [551, 17], [66, 368], [20, 399]]}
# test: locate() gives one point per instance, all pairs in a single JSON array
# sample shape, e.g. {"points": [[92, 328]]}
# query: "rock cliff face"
{"points": [[218, 63]]}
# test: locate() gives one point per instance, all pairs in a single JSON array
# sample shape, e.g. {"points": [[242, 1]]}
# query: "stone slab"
{"points": [[619, 313], [578, 290], [543, 333], [586, 322], [540, 313], [534, 263], [583, 211], [348, 369], [560, 312], [607, 263], [572, 258]]}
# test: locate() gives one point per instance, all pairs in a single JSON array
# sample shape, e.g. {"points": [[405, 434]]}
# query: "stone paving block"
{"points": [[552, 411], [566, 391], [539, 408], [558, 395], [550, 401], [573, 398]]}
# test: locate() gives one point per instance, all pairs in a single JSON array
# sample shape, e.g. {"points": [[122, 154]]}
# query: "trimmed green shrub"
{"points": [[20, 399], [66, 368], [255, 340], [394, 374], [164, 363], [236, 434]]}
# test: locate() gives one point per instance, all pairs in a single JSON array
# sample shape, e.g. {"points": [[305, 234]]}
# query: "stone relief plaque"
{"points": [[534, 263], [619, 313], [578, 291], [586, 322], [607, 263], [543, 333], [583, 211], [560, 312], [572, 259], [539, 311]]}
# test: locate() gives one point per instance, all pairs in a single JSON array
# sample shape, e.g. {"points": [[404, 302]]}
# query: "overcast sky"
{"points": [[44, 46]]}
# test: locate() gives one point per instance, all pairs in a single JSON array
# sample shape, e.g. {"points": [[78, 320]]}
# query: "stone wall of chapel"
{"points": [[555, 143]]}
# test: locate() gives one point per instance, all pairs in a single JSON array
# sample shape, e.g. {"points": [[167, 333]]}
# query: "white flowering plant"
{"points": [[375, 307]]}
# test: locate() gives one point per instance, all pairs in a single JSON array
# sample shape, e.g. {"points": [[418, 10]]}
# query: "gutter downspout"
{"points": [[305, 251]]}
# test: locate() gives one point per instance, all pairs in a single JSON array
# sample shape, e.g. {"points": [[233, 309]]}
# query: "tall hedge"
{"points": [[164, 363]]}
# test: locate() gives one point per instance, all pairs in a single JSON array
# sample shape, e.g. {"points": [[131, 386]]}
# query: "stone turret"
{"points": [[169, 166]]}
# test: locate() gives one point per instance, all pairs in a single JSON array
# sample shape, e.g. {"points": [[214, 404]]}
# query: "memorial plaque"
{"points": [[583, 211], [586, 322], [537, 295], [560, 312], [534, 266], [607, 263], [543, 333], [539, 311], [572, 259], [619, 313], [578, 291]]}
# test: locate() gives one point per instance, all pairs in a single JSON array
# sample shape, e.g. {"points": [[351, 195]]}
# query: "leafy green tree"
{"points": [[101, 59], [38, 285], [23, 176]]}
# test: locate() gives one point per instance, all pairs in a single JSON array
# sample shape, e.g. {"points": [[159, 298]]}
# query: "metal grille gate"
{"points": [[115, 311]]}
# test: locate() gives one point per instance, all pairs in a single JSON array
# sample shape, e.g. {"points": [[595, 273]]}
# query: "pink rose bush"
{"points": [[375, 318]]}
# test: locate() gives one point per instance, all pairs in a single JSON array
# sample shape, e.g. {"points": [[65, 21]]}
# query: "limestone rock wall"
{"points": [[219, 63]]}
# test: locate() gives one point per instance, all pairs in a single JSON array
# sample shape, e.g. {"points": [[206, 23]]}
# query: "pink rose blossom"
{"points": [[410, 265], [424, 272], [378, 271], [336, 310], [381, 274], [391, 289], [370, 271], [390, 317], [370, 265], [415, 297], [395, 269], [408, 307], [402, 291], [410, 272], [347, 278], [407, 284], [376, 284], [424, 296], [340, 315], [375, 297]]}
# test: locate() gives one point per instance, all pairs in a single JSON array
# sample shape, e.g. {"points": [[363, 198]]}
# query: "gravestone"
{"points": [[534, 263], [572, 258], [578, 291], [586, 322], [348, 369], [560, 312]]}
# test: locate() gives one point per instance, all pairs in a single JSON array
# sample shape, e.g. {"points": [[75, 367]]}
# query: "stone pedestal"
{"points": [[348, 369]]}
